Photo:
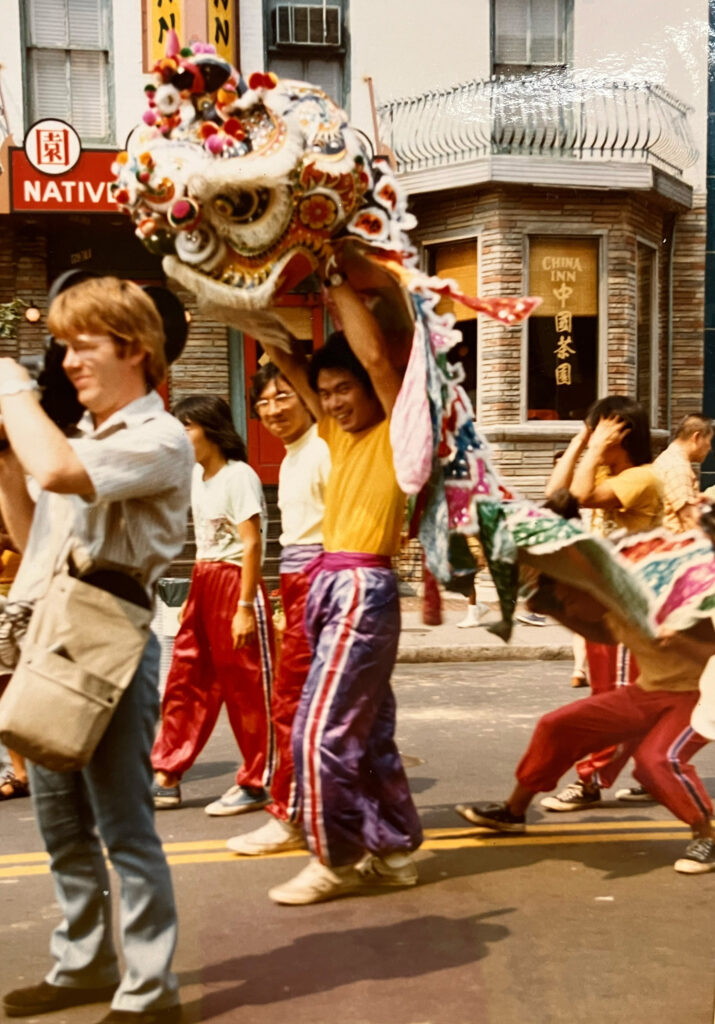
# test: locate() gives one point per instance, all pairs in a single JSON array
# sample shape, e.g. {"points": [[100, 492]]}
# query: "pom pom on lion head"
{"points": [[242, 186]]}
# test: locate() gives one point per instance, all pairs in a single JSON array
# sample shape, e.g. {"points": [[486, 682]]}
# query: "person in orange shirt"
{"points": [[607, 468]]}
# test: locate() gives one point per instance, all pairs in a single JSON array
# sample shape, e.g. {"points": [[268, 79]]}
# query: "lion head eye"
{"points": [[243, 207]]}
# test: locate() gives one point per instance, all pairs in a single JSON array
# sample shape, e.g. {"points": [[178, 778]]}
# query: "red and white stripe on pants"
{"points": [[655, 722], [291, 673], [609, 666], [207, 672]]}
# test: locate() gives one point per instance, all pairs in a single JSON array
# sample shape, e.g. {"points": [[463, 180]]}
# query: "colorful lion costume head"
{"points": [[241, 186]]}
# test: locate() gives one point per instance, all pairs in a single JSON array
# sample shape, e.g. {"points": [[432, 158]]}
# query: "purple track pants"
{"points": [[354, 790]]}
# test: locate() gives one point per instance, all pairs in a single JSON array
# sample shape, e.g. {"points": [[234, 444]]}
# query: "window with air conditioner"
{"points": [[531, 35], [68, 65], [307, 25]]}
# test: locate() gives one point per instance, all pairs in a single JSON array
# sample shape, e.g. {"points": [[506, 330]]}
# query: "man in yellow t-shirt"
{"points": [[360, 822]]}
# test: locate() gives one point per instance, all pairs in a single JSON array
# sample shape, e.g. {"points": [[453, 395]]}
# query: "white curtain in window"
{"points": [[48, 85], [546, 32], [86, 23], [88, 82], [47, 22], [510, 31]]}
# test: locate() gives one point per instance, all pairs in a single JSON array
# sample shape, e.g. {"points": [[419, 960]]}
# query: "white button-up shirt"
{"points": [[139, 461]]}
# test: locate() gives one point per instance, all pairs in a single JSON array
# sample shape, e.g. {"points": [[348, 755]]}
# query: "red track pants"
{"points": [[207, 672], [291, 673], [609, 666], [656, 722]]}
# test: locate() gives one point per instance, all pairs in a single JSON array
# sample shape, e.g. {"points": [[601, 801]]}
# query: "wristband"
{"points": [[17, 387], [245, 604]]}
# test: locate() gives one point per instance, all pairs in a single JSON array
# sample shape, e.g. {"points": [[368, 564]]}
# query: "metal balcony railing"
{"points": [[551, 114]]}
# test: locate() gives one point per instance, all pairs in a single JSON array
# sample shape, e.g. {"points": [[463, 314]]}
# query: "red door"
{"points": [[305, 314]]}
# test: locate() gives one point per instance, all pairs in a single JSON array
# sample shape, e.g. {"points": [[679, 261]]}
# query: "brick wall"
{"points": [[504, 217], [204, 364]]}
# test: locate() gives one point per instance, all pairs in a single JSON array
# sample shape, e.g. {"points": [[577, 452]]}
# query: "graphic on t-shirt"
{"points": [[213, 533]]}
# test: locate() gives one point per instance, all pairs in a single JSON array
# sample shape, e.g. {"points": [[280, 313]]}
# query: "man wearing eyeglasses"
{"points": [[301, 499]]}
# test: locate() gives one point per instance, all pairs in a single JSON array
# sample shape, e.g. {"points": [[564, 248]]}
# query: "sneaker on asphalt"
{"points": [[166, 796], [317, 883], [273, 837], [574, 798], [46, 998], [634, 795], [394, 869], [699, 857], [492, 815], [531, 618], [238, 800]]}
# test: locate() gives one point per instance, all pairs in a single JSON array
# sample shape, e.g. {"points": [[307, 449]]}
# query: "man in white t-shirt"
{"points": [[301, 487]]}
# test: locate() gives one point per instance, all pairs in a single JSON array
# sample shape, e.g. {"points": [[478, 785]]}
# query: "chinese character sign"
{"points": [[52, 146], [222, 28], [162, 16], [563, 333]]}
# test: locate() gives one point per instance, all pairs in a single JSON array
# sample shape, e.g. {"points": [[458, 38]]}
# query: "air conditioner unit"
{"points": [[307, 25]]}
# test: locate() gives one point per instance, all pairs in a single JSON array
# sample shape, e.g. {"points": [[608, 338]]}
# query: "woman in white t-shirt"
{"points": [[223, 652]]}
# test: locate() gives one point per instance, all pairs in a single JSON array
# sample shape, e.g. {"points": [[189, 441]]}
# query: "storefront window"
{"points": [[562, 377], [645, 325], [68, 65], [458, 261]]}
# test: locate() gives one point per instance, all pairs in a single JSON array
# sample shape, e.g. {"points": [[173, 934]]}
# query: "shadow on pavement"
{"points": [[323, 961], [618, 859]]}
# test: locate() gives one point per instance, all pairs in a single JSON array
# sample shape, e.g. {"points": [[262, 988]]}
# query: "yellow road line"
{"points": [[211, 851]]}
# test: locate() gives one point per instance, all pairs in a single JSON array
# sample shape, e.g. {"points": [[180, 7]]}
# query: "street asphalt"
{"points": [[582, 920]]}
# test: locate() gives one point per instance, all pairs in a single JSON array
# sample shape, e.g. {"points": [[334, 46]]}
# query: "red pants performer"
{"points": [[290, 676], [654, 723], [653, 714], [206, 672], [609, 666]]}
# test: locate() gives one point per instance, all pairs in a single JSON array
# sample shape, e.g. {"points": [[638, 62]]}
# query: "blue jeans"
{"points": [[110, 800]]}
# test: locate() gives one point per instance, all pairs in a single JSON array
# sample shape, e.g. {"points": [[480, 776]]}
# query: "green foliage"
{"points": [[10, 315]]}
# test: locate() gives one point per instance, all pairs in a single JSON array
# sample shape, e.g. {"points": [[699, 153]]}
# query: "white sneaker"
{"points": [[634, 795], [392, 869], [316, 883], [473, 616], [273, 837]]}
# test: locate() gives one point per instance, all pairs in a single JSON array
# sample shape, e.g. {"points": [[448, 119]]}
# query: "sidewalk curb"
{"points": [[466, 652]]}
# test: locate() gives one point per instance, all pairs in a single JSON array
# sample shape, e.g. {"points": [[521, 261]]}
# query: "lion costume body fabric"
{"points": [[248, 188]]}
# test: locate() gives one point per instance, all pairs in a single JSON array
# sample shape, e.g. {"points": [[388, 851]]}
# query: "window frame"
{"points": [[529, 66], [573, 231], [473, 235], [31, 116]]}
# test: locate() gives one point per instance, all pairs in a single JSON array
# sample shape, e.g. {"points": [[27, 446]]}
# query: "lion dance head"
{"points": [[241, 186]]}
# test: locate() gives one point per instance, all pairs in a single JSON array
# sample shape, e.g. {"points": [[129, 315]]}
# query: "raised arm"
{"points": [[367, 341], [282, 349], [562, 473], [294, 367], [40, 446], [584, 488]]}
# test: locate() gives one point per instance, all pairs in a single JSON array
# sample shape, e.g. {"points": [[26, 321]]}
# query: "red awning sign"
{"points": [[83, 188]]}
